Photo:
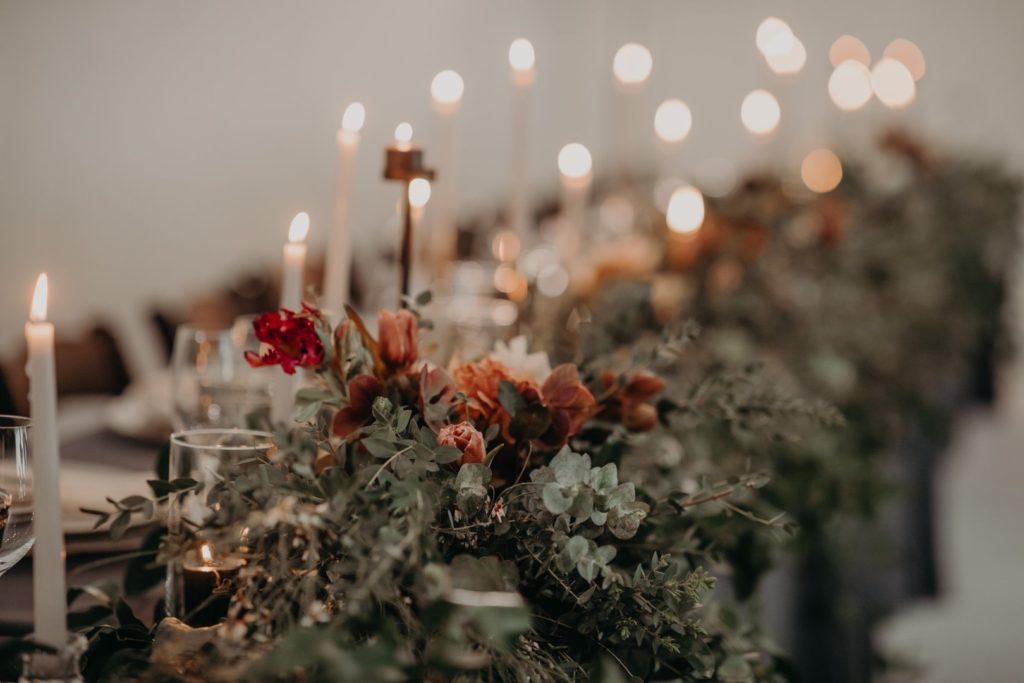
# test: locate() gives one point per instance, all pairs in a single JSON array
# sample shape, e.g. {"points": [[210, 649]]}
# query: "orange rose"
{"points": [[397, 332], [467, 439], [479, 382]]}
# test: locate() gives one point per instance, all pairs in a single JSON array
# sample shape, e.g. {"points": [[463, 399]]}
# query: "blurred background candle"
{"points": [[418, 192], [48, 554], [760, 114], [521, 62], [684, 217], [419, 195], [294, 266], [292, 277], [631, 68], [446, 92], [672, 123], [575, 166], [338, 263]]}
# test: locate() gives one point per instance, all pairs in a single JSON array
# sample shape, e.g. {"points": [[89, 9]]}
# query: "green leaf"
{"points": [[576, 548], [624, 520], [570, 468], [447, 454], [587, 568], [161, 488], [473, 474], [379, 448], [555, 499], [735, 669], [308, 411], [620, 495], [120, 524], [604, 479], [604, 554], [509, 398]]}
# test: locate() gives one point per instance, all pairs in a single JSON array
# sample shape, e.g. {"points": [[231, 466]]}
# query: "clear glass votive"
{"points": [[200, 580]]}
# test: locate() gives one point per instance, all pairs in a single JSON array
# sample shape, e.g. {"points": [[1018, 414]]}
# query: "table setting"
{"points": [[571, 435]]}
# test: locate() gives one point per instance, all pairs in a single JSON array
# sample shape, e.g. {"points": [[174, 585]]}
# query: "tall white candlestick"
{"points": [[48, 588], [521, 61], [338, 264], [294, 265], [631, 68], [446, 90], [672, 123], [292, 275], [575, 164]]}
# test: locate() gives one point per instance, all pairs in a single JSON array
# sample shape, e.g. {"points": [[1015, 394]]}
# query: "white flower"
{"points": [[515, 356]]}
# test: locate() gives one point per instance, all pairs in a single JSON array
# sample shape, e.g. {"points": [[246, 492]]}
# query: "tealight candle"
{"points": [[207, 586], [48, 588], [521, 60], [574, 164], [338, 263]]}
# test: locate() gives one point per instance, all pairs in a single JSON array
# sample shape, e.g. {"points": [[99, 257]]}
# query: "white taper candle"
{"points": [[48, 587], [338, 264]]}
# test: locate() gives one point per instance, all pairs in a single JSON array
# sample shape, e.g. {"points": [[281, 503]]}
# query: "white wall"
{"points": [[147, 149]]}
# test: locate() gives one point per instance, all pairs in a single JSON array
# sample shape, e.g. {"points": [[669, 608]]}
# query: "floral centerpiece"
{"points": [[474, 522]]}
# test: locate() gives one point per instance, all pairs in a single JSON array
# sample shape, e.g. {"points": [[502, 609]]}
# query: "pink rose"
{"points": [[466, 438], [397, 331]]}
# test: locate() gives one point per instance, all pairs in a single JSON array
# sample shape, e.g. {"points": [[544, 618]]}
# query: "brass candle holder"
{"points": [[403, 162]]}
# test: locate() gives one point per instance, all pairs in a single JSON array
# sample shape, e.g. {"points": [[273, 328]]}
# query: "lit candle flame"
{"points": [[892, 83], [207, 554], [419, 193], [299, 228], [632, 64], [521, 56], [849, 86], [789, 62], [37, 313], [574, 160], [685, 212], [672, 120], [774, 37], [353, 118], [760, 112], [902, 50], [403, 134], [447, 87]]}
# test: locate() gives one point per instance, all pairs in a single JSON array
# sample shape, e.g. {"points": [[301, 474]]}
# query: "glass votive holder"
{"points": [[201, 577]]}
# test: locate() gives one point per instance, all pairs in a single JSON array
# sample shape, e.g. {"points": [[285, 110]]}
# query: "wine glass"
{"points": [[16, 534], [212, 384]]}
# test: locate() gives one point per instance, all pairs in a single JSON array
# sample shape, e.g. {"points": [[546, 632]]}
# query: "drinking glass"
{"points": [[16, 534], [212, 384], [194, 591]]}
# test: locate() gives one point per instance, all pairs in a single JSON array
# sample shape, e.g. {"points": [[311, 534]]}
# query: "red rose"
{"points": [[397, 331], [362, 390], [466, 438], [291, 339]]}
